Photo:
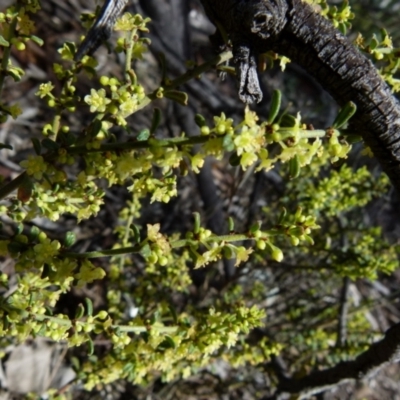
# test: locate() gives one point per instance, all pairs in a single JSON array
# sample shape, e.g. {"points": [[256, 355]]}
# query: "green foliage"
{"points": [[166, 339]]}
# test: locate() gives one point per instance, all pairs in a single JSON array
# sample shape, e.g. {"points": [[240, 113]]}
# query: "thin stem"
{"points": [[175, 245], [310, 134], [187, 76], [121, 328], [128, 57], [172, 142], [104, 253], [7, 50]]}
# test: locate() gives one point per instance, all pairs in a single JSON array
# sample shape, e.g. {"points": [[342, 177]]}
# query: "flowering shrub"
{"points": [[162, 339]]}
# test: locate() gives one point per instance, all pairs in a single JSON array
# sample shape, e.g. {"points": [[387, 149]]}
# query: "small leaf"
{"points": [[50, 144], [37, 40], [288, 121], [37, 146], [196, 228], [145, 251], [351, 139], [89, 306], [344, 115], [136, 233], [156, 120], [95, 128], [294, 167], [227, 143], [90, 347], [200, 120], [167, 343], [173, 314], [80, 311], [178, 96], [231, 224], [275, 106], [143, 135], [69, 239], [16, 73], [4, 42], [282, 216]]}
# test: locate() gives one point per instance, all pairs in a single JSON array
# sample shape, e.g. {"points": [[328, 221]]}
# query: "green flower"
{"points": [[45, 90], [46, 250], [88, 273], [34, 165], [249, 140], [242, 255], [97, 100], [223, 124], [26, 25], [15, 110], [128, 107], [32, 5], [197, 162], [125, 23]]}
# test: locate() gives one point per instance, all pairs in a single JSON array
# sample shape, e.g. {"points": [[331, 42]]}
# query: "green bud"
{"points": [[163, 261], [205, 130], [261, 245], [102, 314], [276, 252]]}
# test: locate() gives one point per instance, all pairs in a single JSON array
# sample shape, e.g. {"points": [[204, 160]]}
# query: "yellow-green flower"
{"points": [[34, 165], [97, 100], [46, 250], [45, 90]]}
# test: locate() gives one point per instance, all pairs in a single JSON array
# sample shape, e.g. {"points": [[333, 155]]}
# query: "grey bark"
{"points": [[293, 29]]}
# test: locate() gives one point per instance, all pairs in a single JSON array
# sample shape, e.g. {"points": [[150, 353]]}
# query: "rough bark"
{"points": [[102, 28], [378, 355], [293, 29]]}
